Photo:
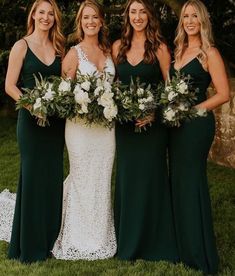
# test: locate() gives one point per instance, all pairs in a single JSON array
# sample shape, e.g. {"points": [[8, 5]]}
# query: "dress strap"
{"points": [[26, 42], [80, 53]]}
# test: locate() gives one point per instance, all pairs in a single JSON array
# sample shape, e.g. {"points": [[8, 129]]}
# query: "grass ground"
{"points": [[221, 183]]}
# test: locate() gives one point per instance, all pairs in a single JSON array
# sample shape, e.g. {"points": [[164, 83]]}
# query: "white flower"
{"points": [[77, 89], [183, 107], [64, 86], [150, 99], [201, 112], [171, 95], [168, 89], [169, 114], [97, 90], [105, 99], [141, 106], [182, 87], [83, 109], [140, 91], [107, 86], [37, 104], [82, 98], [110, 112], [49, 95], [86, 85]]}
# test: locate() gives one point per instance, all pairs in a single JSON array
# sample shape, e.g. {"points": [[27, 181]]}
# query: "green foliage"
{"points": [[221, 183]]}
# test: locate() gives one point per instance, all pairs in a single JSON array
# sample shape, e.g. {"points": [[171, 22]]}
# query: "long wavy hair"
{"points": [[152, 31], [55, 33], [103, 33], [206, 37]]}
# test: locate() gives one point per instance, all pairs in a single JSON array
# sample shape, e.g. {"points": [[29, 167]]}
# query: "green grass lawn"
{"points": [[221, 182]]}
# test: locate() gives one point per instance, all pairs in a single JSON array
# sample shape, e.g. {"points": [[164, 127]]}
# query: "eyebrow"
{"points": [[132, 9]]}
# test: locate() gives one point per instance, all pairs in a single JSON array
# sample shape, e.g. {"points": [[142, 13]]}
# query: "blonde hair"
{"points": [[153, 36], [206, 36], [55, 34], [103, 33]]}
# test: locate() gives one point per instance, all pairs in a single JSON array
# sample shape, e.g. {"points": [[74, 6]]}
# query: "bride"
{"points": [[87, 230]]}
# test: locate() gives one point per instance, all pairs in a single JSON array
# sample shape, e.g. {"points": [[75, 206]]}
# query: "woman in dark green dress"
{"points": [[142, 212], [37, 215], [189, 144]]}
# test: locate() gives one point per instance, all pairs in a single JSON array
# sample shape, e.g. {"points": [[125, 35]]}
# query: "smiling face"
{"points": [[43, 16], [191, 22], [90, 21], [138, 16]]}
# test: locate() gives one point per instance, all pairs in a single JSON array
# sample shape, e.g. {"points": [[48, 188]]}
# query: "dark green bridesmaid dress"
{"points": [[143, 212], [189, 146], [38, 207]]}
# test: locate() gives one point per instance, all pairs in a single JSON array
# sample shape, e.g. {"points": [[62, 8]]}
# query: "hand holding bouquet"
{"points": [[39, 100], [178, 100], [135, 102]]}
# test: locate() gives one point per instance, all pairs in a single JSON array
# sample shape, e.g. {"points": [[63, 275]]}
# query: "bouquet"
{"points": [[177, 100], [64, 103], [94, 99], [39, 100], [134, 101]]}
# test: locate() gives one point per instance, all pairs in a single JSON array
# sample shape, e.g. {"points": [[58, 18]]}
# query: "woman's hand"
{"points": [[145, 121]]}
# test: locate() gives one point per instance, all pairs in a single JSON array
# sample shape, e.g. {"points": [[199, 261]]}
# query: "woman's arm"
{"points": [[70, 64], [164, 59], [219, 78], [115, 50], [15, 63]]}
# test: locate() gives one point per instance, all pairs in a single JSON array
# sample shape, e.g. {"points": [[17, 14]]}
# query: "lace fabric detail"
{"points": [[7, 207], [87, 230], [88, 67]]}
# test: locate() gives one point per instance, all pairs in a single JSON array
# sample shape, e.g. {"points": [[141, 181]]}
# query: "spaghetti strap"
{"points": [[26, 42]]}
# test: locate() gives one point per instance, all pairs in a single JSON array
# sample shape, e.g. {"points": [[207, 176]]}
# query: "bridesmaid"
{"points": [[143, 218], [190, 144], [37, 215]]}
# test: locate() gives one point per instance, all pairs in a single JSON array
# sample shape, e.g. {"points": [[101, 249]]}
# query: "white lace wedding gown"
{"points": [[87, 230]]}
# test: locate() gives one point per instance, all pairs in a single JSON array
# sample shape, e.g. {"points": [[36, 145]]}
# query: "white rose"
{"points": [[141, 106], [149, 99], [37, 104], [49, 95], [201, 112], [107, 86], [97, 90], [82, 98], [182, 107], [99, 82], [77, 89], [182, 87], [110, 112], [86, 85], [171, 95], [168, 89], [64, 86], [140, 91], [106, 99], [169, 114]]}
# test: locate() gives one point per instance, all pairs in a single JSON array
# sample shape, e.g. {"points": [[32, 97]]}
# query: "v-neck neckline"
{"points": [[47, 65], [92, 63]]}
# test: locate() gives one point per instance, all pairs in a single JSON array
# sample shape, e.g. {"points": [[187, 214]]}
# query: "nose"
{"points": [[90, 19], [137, 16], [45, 16], [190, 19]]}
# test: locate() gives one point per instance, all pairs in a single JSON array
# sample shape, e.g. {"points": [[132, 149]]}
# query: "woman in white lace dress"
{"points": [[87, 230]]}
